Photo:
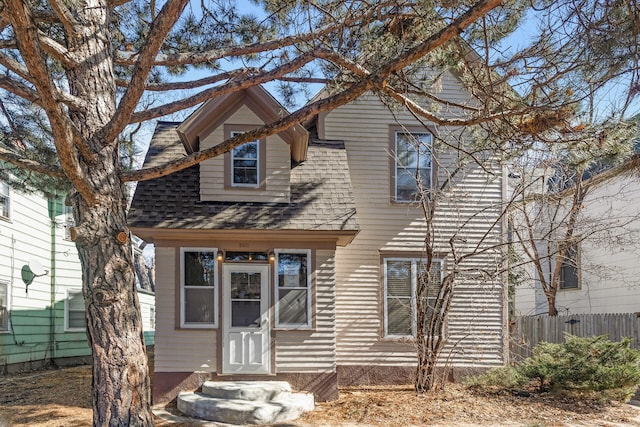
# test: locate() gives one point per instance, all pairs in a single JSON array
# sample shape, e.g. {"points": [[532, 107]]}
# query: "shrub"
{"points": [[504, 377], [589, 367]]}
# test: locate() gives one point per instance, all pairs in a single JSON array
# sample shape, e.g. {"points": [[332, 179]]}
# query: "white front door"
{"points": [[245, 314]]}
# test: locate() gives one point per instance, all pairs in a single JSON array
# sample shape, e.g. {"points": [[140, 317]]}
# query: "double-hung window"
{"points": [[401, 279], [245, 164], [5, 200], [413, 165], [293, 288], [198, 287], [75, 318], [4, 306], [569, 274]]}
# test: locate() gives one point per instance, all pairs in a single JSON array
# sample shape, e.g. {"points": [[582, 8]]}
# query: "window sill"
{"points": [[6, 219], [293, 328], [75, 329], [398, 339], [197, 328]]}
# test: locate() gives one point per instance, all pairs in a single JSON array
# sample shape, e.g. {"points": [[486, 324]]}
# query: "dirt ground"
{"points": [[61, 397]]}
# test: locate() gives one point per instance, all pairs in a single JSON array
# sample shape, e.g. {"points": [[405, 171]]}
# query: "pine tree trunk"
{"points": [[121, 384]]}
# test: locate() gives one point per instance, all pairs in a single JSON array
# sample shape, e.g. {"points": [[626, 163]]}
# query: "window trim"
{"points": [[7, 305], [276, 283], [393, 164], [414, 278], [67, 293], [9, 204], [229, 131], [216, 309], [577, 269]]}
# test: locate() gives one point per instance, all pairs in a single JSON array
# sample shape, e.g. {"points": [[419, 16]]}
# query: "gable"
{"points": [[217, 111]]}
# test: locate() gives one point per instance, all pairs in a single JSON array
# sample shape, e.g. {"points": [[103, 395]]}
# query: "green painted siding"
{"points": [[37, 325]]}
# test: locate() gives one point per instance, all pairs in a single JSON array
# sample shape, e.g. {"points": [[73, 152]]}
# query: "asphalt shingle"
{"points": [[321, 194]]}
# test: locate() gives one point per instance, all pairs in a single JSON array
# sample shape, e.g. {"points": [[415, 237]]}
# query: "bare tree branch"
{"points": [[20, 89], [57, 51], [341, 98], [27, 36], [161, 26], [64, 15], [231, 86], [20, 161]]}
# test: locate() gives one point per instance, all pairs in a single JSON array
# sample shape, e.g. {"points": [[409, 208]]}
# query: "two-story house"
{"points": [[295, 257]]}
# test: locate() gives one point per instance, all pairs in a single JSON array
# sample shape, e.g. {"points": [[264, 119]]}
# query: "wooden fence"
{"points": [[530, 330]]}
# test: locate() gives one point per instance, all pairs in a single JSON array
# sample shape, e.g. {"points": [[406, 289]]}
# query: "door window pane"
{"points": [[245, 299], [245, 314]]}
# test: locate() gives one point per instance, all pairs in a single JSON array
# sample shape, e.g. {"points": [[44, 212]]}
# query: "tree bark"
{"points": [[121, 384]]}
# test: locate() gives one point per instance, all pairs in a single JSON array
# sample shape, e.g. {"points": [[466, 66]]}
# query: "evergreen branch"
{"points": [[193, 58], [20, 89], [417, 109], [160, 27], [328, 103], [26, 33], [15, 67], [57, 51], [160, 87], [33, 165], [116, 3], [64, 15], [229, 87]]}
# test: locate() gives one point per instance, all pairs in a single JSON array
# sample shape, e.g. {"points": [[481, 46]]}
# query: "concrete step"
{"points": [[259, 391], [238, 411]]}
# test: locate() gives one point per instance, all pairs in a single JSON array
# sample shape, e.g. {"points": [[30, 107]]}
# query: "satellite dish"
{"points": [[36, 268], [31, 271]]}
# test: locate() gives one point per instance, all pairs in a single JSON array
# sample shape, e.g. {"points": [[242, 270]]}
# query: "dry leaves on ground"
{"points": [[62, 397]]}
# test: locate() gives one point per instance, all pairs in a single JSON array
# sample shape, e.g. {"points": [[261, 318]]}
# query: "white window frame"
{"points": [[199, 325], [398, 169], [7, 306], [414, 278], [68, 293], [276, 282], [231, 168], [7, 195]]}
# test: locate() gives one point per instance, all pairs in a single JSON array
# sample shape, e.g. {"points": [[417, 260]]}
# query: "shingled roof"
{"points": [[321, 194]]}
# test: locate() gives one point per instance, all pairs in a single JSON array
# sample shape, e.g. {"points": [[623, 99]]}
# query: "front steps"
{"points": [[245, 402]]}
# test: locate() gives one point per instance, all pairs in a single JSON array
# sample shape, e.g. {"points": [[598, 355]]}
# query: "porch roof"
{"points": [[321, 194]]}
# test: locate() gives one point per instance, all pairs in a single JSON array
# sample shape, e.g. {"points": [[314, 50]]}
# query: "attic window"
{"points": [[245, 165]]}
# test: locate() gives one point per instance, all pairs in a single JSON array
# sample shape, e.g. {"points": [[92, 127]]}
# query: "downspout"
{"points": [[52, 274]]}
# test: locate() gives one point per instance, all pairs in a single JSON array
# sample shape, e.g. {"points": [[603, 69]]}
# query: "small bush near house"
{"points": [[591, 368]]}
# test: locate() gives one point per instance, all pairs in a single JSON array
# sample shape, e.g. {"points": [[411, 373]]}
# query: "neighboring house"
{"points": [[294, 257], [601, 272], [42, 320]]}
